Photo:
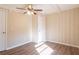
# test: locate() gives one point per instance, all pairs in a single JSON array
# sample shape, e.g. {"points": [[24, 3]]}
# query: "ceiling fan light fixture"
{"points": [[28, 9], [30, 13]]}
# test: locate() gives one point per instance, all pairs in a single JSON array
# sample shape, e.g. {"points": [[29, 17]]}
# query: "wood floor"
{"points": [[47, 48]]}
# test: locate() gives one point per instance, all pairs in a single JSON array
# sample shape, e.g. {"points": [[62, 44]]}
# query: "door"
{"points": [[41, 28], [2, 30]]}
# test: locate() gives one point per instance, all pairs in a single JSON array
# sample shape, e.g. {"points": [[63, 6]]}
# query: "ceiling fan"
{"points": [[29, 9]]}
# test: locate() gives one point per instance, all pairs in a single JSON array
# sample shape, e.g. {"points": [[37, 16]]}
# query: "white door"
{"points": [[2, 30], [41, 28]]}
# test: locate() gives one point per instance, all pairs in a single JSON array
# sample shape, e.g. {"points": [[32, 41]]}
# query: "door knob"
{"points": [[4, 32]]}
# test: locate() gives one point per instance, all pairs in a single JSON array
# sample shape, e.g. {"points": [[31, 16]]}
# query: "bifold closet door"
{"points": [[3, 40]]}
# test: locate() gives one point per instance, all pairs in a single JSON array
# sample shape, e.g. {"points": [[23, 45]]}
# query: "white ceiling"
{"points": [[47, 8]]}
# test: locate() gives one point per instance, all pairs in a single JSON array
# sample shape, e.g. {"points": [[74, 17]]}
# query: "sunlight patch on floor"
{"points": [[44, 50], [39, 44]]}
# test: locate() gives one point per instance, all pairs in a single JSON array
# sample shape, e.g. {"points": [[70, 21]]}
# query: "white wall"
{"points": [[19, 28], [63, 27]]}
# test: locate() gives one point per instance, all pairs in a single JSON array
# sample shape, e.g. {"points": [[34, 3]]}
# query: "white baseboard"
{"points": [[65, 44], [47, 40], [17, 45]]}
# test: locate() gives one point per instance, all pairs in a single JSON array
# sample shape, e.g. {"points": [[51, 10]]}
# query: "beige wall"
{"points": [[63, 27], [19, 29]]}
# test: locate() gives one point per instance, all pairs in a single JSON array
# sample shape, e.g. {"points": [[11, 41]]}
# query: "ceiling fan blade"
{"points": [[38, 10], [21, 8]]}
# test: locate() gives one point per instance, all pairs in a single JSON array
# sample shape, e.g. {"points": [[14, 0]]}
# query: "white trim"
{"points": [[65, 44], [17, 45], [6, 16]]}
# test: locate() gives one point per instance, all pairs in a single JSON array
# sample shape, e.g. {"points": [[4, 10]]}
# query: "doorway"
{"points": [[3, 36], [41, 28]]}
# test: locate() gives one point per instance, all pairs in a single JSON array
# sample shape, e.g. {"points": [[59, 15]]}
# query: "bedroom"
{"points": [[39, 29]]}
